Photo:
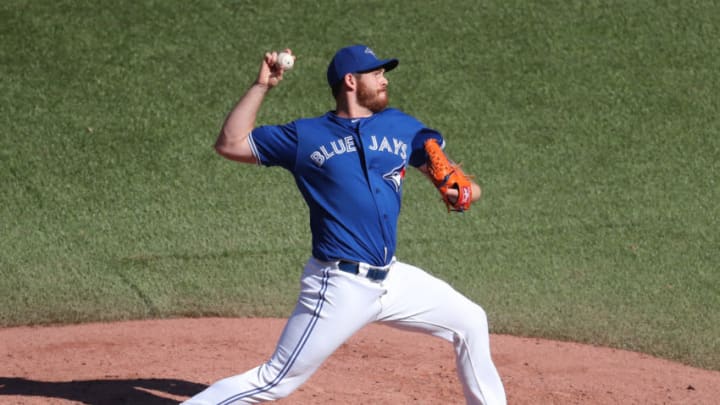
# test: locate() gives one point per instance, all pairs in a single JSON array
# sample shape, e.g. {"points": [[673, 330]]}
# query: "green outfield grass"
{"points": [[591, 125]]}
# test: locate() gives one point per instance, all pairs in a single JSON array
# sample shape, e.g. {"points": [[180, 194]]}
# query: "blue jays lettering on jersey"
{"points": [[350, 173]]}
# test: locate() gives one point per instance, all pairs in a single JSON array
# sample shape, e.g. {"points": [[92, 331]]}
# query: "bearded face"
{"points": [[374, 99]]}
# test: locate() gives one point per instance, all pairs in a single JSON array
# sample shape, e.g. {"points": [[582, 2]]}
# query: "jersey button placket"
{"points": [[377, 189]]}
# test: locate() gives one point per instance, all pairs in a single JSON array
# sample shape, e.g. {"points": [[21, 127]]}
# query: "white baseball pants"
{"points": [[333, 305]]}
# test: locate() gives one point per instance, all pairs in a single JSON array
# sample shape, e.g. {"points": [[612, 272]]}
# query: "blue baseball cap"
{"points": [[356, 59]]}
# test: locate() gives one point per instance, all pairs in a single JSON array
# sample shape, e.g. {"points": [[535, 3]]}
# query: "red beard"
{"points": [[374, 101]]}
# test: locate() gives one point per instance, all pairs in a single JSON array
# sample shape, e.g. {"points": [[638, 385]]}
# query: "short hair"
{"points": [[336, 89]]}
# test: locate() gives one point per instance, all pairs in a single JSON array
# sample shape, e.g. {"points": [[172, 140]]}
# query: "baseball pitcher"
{"points": [[349, 165]]}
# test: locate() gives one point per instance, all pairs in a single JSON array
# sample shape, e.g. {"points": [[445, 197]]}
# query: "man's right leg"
{"points": [[331, 307]]}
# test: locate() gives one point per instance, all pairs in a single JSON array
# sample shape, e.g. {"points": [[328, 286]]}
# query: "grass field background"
{"points": [[591, 125]]}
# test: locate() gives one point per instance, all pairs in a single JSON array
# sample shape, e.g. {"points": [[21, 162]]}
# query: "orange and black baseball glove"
{"points": [[447, 175]]}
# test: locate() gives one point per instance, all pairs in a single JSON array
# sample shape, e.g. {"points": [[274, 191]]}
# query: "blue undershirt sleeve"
{"points": [[418, 156]]}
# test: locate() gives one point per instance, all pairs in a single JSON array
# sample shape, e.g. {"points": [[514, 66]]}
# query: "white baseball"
{"points": [[285, 61]]}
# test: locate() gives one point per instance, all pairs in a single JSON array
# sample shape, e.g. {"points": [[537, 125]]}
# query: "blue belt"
{"points": [[373, 273]]}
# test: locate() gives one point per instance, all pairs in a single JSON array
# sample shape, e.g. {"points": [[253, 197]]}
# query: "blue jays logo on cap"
{"points": [[356, 59]]}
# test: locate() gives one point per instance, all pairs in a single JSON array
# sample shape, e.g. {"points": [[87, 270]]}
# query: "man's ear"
{"points": [[350, 81]]}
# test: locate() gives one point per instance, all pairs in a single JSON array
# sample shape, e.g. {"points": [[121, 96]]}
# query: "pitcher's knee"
{"points": [[480, 316], [475, 321]]}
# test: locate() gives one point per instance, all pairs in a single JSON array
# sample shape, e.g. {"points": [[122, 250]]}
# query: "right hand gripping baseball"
{"points": [[271, 74]]}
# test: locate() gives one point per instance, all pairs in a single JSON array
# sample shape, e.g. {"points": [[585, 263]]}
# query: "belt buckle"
{"points": [[373, 272], [363, 269]]}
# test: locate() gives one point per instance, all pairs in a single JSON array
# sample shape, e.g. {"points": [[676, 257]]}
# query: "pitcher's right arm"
{"points": [[232, 143]]}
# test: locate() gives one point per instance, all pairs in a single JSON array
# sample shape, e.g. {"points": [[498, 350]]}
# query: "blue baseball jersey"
{"points": [[350, 173]]}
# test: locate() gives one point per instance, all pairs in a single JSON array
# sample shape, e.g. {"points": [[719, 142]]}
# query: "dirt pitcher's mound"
{"points": [[165, 361]]}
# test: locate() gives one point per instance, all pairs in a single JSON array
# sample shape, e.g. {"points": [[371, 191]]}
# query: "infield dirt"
{"points": [[165, 361]]}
